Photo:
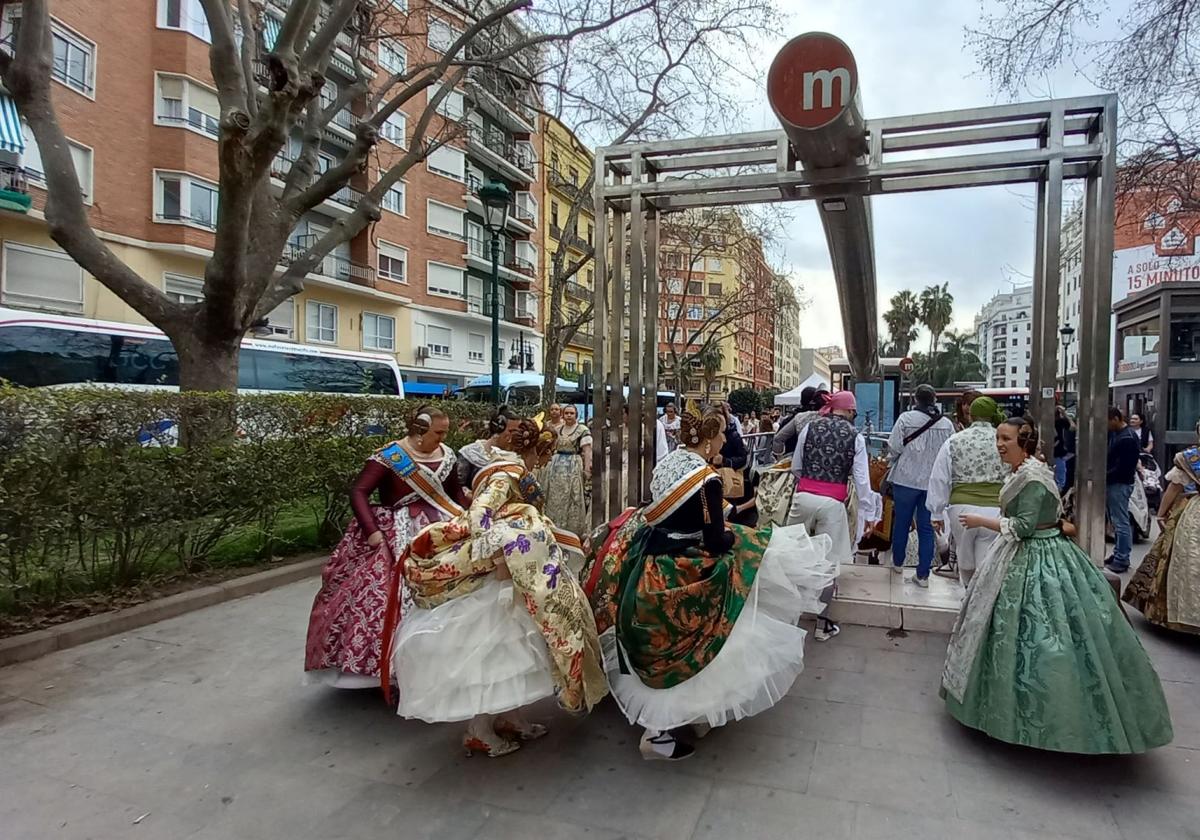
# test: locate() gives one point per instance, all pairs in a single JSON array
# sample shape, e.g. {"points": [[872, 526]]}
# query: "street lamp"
{"points": [[495, 198], [1068, 334]]}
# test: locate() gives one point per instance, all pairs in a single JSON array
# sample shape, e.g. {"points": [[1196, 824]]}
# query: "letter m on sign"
{"points": [[826, 78]]}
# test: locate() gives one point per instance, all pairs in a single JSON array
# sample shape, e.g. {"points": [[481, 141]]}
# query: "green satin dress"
{"points": [[1060, 668]]}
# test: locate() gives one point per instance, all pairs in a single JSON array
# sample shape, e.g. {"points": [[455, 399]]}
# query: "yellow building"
{"points": [[568, 163]]}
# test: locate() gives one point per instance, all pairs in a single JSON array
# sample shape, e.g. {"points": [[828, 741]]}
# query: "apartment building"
{"points": [[788, 371], [567, 164], [1004, 335], [136, 99]]}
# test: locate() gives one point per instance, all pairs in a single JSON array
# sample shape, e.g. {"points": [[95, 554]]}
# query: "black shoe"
{"points": [[663, 746], [1113, 567]]}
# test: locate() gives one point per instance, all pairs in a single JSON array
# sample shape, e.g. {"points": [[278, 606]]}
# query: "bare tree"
{"points": [[1151, 63], [655, 75], [694, 322], [265, 92]]}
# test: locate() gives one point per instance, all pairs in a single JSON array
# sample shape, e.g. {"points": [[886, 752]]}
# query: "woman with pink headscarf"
{"points": [[830, 465]]}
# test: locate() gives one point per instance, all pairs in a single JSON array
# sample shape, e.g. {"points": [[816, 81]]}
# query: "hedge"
{"points": [[96, 494]]}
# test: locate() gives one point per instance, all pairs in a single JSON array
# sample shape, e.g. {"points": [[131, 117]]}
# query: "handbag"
{"points": [[885, 486], [733, 483]]}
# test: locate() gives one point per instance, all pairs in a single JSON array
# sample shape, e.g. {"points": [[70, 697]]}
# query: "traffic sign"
{"points": [[906, 365]]}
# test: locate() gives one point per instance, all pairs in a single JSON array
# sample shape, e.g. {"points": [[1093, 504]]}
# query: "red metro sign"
{"points": [[812, 80]]}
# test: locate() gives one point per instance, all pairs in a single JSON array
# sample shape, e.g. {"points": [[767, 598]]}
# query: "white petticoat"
{"points": [[478, 654], [763, 655]]}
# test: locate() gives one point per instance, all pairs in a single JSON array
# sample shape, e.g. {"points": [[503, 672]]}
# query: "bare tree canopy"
{"points": [[275, 105], [1150, 60]]}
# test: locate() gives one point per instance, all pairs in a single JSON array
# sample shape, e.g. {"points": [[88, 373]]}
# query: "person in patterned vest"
{"points": [[830, 454], [966, 479]]}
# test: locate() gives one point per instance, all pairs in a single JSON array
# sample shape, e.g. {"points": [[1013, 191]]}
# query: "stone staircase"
{"points": [[875, 597]]}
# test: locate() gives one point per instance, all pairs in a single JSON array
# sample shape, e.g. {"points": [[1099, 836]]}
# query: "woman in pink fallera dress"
{"points": [[417, 485]]}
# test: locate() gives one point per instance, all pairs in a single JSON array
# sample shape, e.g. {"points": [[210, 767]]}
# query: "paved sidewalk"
{"points": [[199, 726]]}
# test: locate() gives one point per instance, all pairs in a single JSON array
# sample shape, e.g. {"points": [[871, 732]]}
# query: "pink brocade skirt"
{"points": [[345, 628]]}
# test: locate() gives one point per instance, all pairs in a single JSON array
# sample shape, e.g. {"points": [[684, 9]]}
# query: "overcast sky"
{"points": [[912, 59]]}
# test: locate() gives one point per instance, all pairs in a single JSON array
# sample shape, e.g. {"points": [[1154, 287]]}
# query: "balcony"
{"points": [[573, 239], [501, 101], [564, 185], [513, 159], [578, 291], [517, 271], [333, 266], [14, 187], [341, 202], [518, 219]]}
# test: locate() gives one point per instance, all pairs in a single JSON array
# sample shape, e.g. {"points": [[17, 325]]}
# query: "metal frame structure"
{"points": [[1044, 143]]}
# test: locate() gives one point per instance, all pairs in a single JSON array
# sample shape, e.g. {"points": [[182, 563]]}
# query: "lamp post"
{"points": [[495, 198], [1068, 334]]}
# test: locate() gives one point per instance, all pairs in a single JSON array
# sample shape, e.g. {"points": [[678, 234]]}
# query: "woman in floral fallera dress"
{"points": [[1041, 654], [500, 620], [698, 618], [417, 484], [1166, 586], [568, 473]]}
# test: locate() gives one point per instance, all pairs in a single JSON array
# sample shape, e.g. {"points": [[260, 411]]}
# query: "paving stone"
{"points": [[879, 777], [742, 811]]}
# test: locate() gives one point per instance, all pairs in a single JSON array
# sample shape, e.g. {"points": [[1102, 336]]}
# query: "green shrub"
{"points": [[96, 493]]}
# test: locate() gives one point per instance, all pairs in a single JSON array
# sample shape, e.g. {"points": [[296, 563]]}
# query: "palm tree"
{"points": [[959, 359], [710, 359], [902, 317], [937, 308]]}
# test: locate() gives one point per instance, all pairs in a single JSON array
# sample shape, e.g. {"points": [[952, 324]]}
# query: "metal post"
{"points": [[1045, 290], [637, 229], [599, 347], [1094, 335], [616, 348], [650, 362], [495, 318]]}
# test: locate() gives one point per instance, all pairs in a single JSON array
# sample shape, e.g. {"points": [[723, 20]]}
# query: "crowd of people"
{"points": [[468, 587]]}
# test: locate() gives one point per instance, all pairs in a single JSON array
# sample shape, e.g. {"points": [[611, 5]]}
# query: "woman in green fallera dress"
{"points": [[1041, 653]]}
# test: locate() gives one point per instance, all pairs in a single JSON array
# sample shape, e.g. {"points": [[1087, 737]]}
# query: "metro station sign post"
{"points": [[826, 151]]}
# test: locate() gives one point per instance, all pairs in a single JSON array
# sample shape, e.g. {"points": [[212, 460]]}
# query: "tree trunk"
{"points": [[551, 361], [207, 366]]}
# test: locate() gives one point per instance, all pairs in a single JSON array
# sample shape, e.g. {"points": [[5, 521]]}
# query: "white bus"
{"points": [[40, 350]]}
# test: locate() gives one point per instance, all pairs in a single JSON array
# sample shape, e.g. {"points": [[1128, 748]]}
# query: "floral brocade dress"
{"points": [[346, 628], [1166, 586], [697, 618], [476, 644], [563, 480], [1041, 654]]}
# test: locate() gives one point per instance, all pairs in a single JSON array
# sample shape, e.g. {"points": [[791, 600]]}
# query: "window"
{"points": [[591, 233], [445, 280], [452, 107], [673, 311], [1014, 370], [448, 162], [74, 60], [1014, 342], [1154, 221], [475, 347], [714, 289], [441, 34], [182, 102], [714, 264], [554, 214], [395, 199], [183, 198], [695, 287], [281, 321], [31, 161], [320, 322], [392, 56], [395, 128], [573, 174], [444, 220], [379, 332], [393, 263], [438, 339], [183, 289], [695, 313], [187, 15], [41, 278]]}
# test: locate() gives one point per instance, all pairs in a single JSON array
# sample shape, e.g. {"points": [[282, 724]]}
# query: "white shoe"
{"points": [[826, 630], [662, 746], [919, 581], [897, 570]]}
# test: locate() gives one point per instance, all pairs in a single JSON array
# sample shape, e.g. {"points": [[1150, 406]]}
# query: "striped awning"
{"points": [[271, 27], [12, 139]]}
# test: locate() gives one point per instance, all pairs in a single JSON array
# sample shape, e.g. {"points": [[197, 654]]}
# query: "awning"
{"points": [[429, 389], [12, 139], [792, 397], [1137, 380], [271, 27]]}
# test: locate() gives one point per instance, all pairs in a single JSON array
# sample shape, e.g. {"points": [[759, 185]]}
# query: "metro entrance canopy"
{"points": [[828, 153]]}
